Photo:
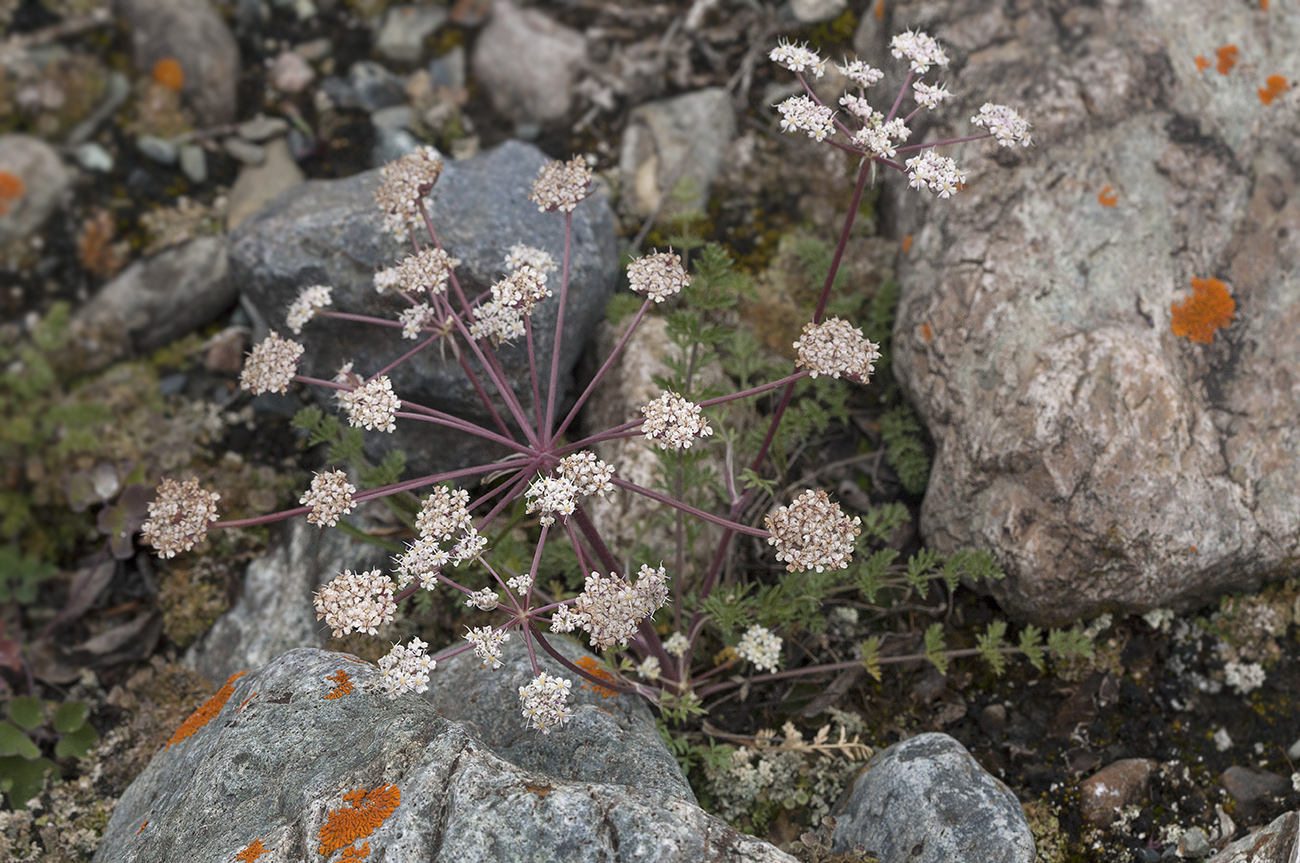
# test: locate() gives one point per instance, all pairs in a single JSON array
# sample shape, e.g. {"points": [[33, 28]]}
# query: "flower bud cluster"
{"points": [[658, 276], [1008, 127], [373, 405], [427, 271], [674, 421], [403, 183], [922, 50], [610, 609], [487, 644], [580, 474], [329, 498], [544, 702], [561, 185], [304, 308], [796, 58], [271, 365], [677, 644], [361, 601], [502, 317], [799, 113], [760, 646], [180, 516], [835, 347], [407, 669], [484, 600], [812, 533]]}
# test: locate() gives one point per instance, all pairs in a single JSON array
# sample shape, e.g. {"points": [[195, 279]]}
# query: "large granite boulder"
{"points": [[1108, 463], [329, 232], [291, 761]]}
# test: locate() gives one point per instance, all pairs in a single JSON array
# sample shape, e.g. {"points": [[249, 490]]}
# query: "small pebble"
{"points": [[262, 128], [1294, 751], [172, 384], [315, 50], [291, 73], [396, 117], [1194, 843], [93, 157], [158, 149], [244, 151], [194, 163]]}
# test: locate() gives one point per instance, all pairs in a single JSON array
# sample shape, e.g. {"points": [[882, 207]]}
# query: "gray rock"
{"points": [[279, 756], [192, 33], [45, 180], [1108, 464], [926, 800], [527, 63], [262, 128], [1275, 843], [291, 73], [392, 143], [1251, 788], [274, 613], [243, 151], [368, 87], [816, 11], [258, 184], [673, 145], [403, 31], [330, 232], [448, 71], [93, 157], [621, 728], [194, 163], [160, 150], [397, 117], [157, 300], [1194, 843]]}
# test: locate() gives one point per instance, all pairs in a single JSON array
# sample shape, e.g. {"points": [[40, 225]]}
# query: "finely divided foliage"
{"points": [[539, 491]]}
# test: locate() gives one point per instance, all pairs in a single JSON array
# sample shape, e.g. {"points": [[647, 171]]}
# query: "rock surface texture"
{"points": [[955, 810], [1109, 464], [527, 63], [329, 233], [44, 181], [1276, 843], [278, 756]]}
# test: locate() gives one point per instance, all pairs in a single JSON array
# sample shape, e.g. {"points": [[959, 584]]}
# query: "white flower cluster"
{"points": [[658, 276], [271, 365], [521, 255], [561, 185], [920, 48], [937, 173], [649, 668], [677, 644], [484, 600], [860, 73], [812, 533], [796, 58], [610, 609], [1244, 677], [579, 474], [304, 307], [373, 405], [551, 496], [1004, 123], [521, 583], [427, 271], [588, 474], [487, 644], [443, 517], [835, 347], [330, 497], [402, 184], [415, 319], [502, 317], [799, 113], [877, 137], [544, 702], [674, 421], [356, 600], [930, 96], [180, 516], [760, 646], [406, 669]]}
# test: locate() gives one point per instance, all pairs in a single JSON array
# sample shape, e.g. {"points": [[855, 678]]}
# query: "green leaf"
{"points": [[880, 522], [1068, 643], [26, 711], [871, 656], [871, 574], [22, 779], [78, 743], [14, 742], [70, 716], [1031, 646], [989, 645], [900, 431], [934, 647]]}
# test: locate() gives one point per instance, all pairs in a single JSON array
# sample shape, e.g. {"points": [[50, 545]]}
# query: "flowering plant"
{"points": [[550, 474]]}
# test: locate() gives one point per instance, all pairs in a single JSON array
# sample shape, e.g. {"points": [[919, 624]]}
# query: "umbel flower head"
{"points": [[180, 516], [544, 702], [403, 183], [427, 271], [407, 668], [610, 609], [303, 309], [760, 646], [356, 600], [658, 276], [373, 405], [561, 185], [329, 498], [812, 533], [835, 347], [674, 422], [271, 365]]}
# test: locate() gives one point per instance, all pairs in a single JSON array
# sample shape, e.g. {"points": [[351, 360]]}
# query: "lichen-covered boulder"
{"points": [[1107, 462], [306, 757]]}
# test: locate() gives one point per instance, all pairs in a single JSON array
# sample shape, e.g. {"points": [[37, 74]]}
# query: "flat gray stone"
{"points": [[527, 63], [403, 31], [673, 145], [279, 756], [258, 184], [926, 800], [192, 33], [194, 163]]}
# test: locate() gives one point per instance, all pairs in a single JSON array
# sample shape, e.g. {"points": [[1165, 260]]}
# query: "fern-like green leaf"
{"points": [[935, 646], [871, 656], [990, 646], [1031, 638]]}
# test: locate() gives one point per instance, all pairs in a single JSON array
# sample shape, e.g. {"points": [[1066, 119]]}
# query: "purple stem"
{"points": [[559, 328], [609, 361], [731, 526]]}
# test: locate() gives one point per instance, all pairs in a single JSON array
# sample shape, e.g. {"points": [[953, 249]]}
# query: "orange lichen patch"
{"points": [[592, 667], [926, 332], [168, 73], [1227, 58], [207, 712], [352, 852], [1107, 197], [1193, 548], [142, 826], [539, 790], [342, 685], [1275, 86], [1209, 308], [252, 852], [880, 10], [907, 244], [244, 703], [368, 810], [1263, 4], [1201, 63], [11, 189]]}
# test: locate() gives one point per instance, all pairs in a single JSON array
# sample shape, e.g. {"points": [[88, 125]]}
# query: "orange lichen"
{"points": [[11, 189], [252, 852], [142, 826], [1193, 548], [1209, 308], [926, 332], [907, 244], [880, 10], [342, 685], [1201, 63], [367, 811], [1263, 4], [592, 666], [1227, 58], [1276, 86], [168, 73], [244, 703], [1107, 197], [207, 712], [539, 790], [352, 852]]}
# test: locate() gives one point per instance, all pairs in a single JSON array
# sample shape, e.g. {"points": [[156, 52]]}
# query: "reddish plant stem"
{"points": [[363, 319], [581, 672], [559, 329], [604, 368], [532, 376], [732, 526], [404, 357]]}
